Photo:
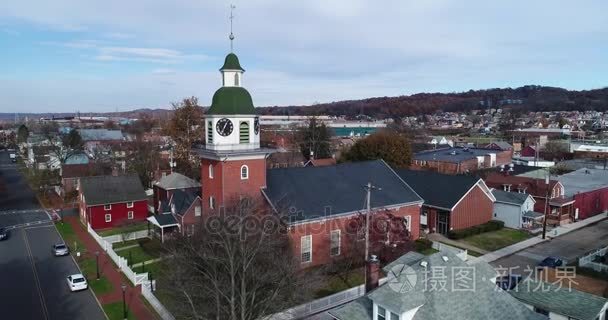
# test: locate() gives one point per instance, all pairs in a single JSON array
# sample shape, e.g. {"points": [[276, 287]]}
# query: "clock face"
{"points": [[224, 127], [256, 125]]}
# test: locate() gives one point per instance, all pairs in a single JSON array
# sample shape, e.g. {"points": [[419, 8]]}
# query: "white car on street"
{"points": [[77, 282]]}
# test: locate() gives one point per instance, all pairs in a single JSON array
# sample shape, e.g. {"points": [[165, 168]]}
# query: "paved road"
{"points": [[569, 246], [33, 281]]}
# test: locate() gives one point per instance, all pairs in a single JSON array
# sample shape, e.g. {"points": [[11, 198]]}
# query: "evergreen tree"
{"points": [[22, 133]]}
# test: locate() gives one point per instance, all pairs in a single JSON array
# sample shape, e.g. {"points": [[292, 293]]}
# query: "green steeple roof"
{"points": [[231, 100], [231, 63]]}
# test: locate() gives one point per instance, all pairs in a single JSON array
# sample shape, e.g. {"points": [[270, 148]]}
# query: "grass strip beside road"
{"points": [[494, 240], [114, 311], [70, 238], [127, 229]]}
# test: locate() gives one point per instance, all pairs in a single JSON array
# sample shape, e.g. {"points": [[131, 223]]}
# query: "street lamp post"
{"points": [[547, 182], [124, 301], [97, 263]]}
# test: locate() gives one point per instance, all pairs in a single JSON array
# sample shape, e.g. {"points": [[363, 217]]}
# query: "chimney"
{"points": [[114, 171], [372, 273]]}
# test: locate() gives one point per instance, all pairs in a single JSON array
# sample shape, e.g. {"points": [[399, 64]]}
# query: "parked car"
{"points": [[551, 262], [4, 233], [77, 282], [508, 282], [60, 249]]}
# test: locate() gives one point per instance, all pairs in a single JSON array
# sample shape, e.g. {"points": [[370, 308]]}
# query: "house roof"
{"points": [[454, 155], [321, 162], [535, 187], [112, 189], [306, 192], [438, 190], [163, 220], [533, 215], [503, 145], [515, 198], [100, 134], [182, 200], [408, 288], [177, 181], [565, 301], [584, 180]]}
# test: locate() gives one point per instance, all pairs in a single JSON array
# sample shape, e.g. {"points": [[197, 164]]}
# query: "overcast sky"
{"points": [[94, 55]]}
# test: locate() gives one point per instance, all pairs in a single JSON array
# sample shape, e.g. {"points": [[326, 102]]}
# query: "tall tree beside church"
{"points": [[315, 137], [185, 128], [392, 147], [22, 133]]}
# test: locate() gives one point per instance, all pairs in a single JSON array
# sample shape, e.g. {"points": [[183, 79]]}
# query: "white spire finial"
{"points": [[231, 37]]}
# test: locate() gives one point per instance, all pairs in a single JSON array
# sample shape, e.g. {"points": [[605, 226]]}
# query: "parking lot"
{"points": [[33, 280]]}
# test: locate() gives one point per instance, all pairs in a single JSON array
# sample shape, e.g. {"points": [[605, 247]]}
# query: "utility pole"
{"points": [[546, 205], [369, 187]]}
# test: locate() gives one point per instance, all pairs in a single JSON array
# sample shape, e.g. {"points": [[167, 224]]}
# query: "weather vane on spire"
{"points": [[231, 37]]}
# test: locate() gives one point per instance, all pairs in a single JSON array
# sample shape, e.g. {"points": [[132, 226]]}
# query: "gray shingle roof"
{"points": [[571, 303], [510, 197], [583, 180], [182, 201], [112, 189], [165, 219], [177, 181], [439, 190], [453, 155], [484, 302], [306, 192]]}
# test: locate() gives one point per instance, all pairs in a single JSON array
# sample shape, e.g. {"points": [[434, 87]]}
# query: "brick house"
{"points": [[322, 204], [589, 190], [451, 202], [182, 211], [560, 209], [167, 185], [499, 145], [460, 160], [109, 201]]}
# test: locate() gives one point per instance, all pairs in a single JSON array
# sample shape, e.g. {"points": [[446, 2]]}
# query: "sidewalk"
{"points": [[443, 239], [556, 232], [108, 269]]}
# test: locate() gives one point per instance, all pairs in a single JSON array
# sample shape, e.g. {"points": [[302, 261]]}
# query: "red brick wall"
{"points": [[321, 232], [188, 219], [96, 214], [227, 183], [504, 157], [591, 203], [475, 209]]}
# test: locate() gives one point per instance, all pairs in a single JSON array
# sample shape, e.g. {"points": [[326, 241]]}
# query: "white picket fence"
{"points": [[460, 253], [132, 236], [135, 278], [587, 260]]}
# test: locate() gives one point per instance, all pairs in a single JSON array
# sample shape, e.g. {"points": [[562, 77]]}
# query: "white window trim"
{"points": [[108, 217], [211, 171], [331, 247], [246, 172], [130, 204], [107, 207], [306, 239], [409, 222], [130, 215], [197, 211], [211, 202]]}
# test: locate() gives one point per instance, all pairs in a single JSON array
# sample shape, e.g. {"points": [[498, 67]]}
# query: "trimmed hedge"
{"points": [[492, 225], [422, 244]]}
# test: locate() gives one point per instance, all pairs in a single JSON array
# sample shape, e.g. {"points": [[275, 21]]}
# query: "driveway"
{"points": [[569, 246], [33, 280]]}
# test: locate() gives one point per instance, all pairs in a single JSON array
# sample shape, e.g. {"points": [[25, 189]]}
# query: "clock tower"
{"points": [[232, 163]]}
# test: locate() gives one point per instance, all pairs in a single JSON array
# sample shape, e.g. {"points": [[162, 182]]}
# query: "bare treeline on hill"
{"points": [[533, 98]]}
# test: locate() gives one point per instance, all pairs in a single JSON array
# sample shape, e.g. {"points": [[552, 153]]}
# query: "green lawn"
{"points": [[154, 268], [494, 240], [69, 237], [114, 311], [100, 286], [137, 254], [427, 251], [127, 243], [335, 284], [130, 228]]}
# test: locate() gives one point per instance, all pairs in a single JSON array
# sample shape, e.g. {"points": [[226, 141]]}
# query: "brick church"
{"points": [[320, 201]]}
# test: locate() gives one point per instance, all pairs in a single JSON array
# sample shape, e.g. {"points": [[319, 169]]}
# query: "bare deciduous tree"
{"points": [[238, 264]]}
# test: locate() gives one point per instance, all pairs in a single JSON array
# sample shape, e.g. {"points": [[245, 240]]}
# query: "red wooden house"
{"points": [[109, 201], [450, 202]]}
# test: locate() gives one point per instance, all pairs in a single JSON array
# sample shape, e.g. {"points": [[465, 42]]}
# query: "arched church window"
{"points": [[236, 79], [244, 132], [211, 171], [244, 172]]}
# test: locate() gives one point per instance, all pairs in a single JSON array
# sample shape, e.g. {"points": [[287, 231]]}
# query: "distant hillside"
{"points": [[529, 98]]}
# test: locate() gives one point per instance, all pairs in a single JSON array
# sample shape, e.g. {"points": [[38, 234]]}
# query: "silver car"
{"points": [[60, 249]]}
